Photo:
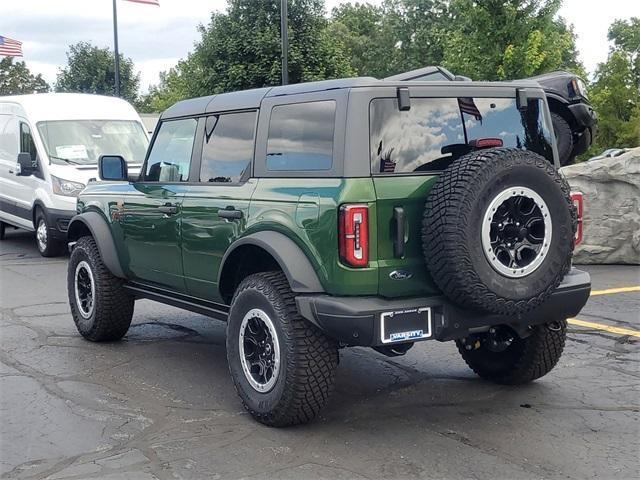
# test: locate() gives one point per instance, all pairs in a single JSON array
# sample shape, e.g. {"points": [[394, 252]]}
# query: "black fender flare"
{"points": [[101, 233], [296, 266]]}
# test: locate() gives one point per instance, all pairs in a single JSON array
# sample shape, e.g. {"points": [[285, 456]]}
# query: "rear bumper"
{"points": [[356, 320]]}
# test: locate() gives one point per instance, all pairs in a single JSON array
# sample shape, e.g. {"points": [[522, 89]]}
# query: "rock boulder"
{"points": [[611, 189]]}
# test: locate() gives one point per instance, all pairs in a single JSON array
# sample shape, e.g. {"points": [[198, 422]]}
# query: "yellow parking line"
{"points": [[609, 291], [602, 326]]}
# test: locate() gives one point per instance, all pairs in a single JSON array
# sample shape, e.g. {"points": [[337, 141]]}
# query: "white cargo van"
{"points": [[49, 149]]}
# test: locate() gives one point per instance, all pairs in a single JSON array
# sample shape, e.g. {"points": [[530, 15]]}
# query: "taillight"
{"points": [[353, 234], [576, 198]]}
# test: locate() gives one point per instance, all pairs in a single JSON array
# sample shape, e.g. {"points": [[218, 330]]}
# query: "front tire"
{"points": [[282, 366], [47, 246], [522, 361], [100, 306], [564, 139]]}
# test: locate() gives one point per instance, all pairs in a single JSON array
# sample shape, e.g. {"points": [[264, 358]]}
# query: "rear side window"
{"points": [[170, 154], [301, 136], [227, 150], [436, 131]]}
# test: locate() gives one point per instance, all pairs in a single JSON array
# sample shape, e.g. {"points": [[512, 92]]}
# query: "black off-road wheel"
{"points": [[498, 230], [502, 357], [564, 139], [47, 245], [100, 306], [282, 366]]}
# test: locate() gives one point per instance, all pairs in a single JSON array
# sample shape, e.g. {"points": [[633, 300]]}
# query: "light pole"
{"points": [[284, 38], [115, 45]]}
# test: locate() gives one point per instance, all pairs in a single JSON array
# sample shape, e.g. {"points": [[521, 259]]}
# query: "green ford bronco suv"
{"points": [[341, 213]]}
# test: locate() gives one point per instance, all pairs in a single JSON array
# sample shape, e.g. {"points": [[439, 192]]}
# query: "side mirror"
{"points": [[24, 165], [112, 167]]}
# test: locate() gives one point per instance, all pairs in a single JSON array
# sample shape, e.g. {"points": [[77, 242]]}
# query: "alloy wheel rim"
{"points": [[516, 232], [84, 289], [41, 235], [259, 350]]}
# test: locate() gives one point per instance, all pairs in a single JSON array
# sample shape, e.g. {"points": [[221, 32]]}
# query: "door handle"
{"points": [[398, 241], [230, 213], [168, 209]]}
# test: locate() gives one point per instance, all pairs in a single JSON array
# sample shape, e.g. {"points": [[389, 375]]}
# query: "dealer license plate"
{"points": [[405, 325]]}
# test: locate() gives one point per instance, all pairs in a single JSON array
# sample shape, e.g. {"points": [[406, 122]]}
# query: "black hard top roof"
{"points": [[251, 99]]}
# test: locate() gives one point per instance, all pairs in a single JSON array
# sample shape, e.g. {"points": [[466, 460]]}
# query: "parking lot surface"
{"points": [[160, 404]]}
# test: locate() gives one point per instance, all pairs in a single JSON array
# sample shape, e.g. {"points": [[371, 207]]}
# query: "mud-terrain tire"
{"points": [[564, 139], [297, 389], [499, 269], [525, 360], [104, 314], [47, 245]]}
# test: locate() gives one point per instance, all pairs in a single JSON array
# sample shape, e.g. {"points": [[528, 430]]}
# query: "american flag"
{"points": [[467, 105], [148, 2], [10, 47]]}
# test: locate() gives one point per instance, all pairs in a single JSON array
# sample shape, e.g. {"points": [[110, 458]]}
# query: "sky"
{"points": [[157, 37]]}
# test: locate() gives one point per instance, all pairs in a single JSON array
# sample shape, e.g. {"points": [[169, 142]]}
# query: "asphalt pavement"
{"points": [[160, 404]]}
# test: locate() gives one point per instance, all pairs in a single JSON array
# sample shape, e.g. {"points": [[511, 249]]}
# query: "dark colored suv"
{"points": [[573, 118], [341, 213]]}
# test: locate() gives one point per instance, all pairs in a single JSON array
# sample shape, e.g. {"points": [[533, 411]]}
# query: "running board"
{"points": [[196, 305]]}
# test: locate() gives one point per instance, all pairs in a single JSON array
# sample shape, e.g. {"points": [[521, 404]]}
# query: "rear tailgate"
{"points": [[410, 148], [402, 273]]}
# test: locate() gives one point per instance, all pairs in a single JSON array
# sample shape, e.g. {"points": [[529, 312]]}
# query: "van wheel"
{"points": [[100, 306], [282, 366], [501, 356], [47, 246]]}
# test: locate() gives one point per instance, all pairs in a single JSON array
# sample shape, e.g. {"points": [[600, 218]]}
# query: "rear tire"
{"points": [[47, 246], [282, 366], [100, 306], [525, 360]]}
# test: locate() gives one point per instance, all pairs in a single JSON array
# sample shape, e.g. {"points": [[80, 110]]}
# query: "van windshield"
{"points": [[81, 142]]}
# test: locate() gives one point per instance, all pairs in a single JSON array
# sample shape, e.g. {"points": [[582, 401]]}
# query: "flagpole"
{"points": [[284, 38], [115, 45]]}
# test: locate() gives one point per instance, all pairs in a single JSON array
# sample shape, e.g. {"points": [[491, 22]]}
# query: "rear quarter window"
{"points": [[436, 131], [301, 136]]}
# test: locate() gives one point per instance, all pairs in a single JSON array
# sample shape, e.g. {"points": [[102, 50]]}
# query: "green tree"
{"points": [[507, 39], [173, 87], [15, 79], [397, 36], [484, 39], [615, 92], [91, 69], [240, 49]]}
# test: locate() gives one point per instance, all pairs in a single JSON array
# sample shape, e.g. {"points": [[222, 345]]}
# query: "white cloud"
{"points": [[591, 20]]}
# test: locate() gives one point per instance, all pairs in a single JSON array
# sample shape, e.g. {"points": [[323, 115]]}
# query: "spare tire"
{"points": [[498, 230]]}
